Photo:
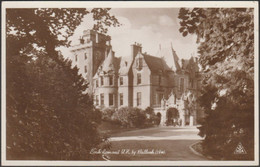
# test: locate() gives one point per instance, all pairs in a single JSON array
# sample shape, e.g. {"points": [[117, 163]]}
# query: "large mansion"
{"points": [[138, 79]]}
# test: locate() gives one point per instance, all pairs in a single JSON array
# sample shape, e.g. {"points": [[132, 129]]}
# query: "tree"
{"points": [[226, 54], [49, 114]]}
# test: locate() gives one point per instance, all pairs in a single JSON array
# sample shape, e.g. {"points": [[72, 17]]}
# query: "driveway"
{"points": [[160, 143]]}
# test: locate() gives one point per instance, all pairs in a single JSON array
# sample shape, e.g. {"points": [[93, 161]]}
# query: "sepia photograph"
{"points": [[120, 83]]}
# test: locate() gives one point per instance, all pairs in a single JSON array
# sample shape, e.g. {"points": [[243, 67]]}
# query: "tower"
{"points": [[89, 54]]}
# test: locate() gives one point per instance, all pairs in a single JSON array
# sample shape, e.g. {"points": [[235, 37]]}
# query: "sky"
{"points": [[152, 27]]}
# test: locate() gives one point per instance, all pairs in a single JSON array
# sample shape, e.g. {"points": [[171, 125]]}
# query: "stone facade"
{"points": [[139, 80]]}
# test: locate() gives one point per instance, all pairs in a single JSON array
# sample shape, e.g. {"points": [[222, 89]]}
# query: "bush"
{"points": [[151, 118], [107, 114], [130, 117], [137, 117]]}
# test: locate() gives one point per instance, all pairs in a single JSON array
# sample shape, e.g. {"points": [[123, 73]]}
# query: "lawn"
{"points": [[110, 128]]}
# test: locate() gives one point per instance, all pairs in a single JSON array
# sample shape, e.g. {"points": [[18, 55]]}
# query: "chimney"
{"points": [[81, 40], [182, 63], [136, 47], [196, 59]]}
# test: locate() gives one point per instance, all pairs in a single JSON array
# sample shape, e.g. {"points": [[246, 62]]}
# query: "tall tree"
{"points": [[226, 54], [49, 115]]}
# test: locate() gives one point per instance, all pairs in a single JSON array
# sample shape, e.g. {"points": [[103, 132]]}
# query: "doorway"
{"points": [[158, 118], [172, 117]]}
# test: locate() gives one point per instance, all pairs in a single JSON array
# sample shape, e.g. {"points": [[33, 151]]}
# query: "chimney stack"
{"points": [[136, 47]]}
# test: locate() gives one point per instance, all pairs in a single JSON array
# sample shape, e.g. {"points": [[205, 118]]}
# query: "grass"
{"points": [[110, 128], [198, 147]]}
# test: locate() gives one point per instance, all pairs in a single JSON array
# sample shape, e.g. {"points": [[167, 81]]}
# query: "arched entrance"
{"points": [[159, 118], [172, 117]]}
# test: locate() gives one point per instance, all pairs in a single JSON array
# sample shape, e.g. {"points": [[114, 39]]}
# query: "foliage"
{"points": [[57, 118], [49, 115], [107, 113], [151, 118], [121, 115], [130, 117], [137, 117], [226, 50]]}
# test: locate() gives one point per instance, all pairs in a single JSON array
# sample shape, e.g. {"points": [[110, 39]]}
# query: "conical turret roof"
{"points": [[109, 62], [170, 57]]}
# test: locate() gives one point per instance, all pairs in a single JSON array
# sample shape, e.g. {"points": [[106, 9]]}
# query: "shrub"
{"points": [[107, 114], [151, 118], [130, 117], [137, 117]]}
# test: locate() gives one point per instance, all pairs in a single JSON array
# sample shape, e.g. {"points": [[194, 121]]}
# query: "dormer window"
{"points": [[139, 63], [76, 57]]}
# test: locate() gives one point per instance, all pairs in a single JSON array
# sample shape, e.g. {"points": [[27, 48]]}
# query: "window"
{"points": [[139, 78], [182, 84], [191, 83], [159, 97], [97, 83], [97, 100], [160, 80], [121, 100], [86, 69], [139, 98], [101, 81], [102, 99], [76, 57], [121, 80], [111, 99], [110, 80], [139, 63], [85, 54]]}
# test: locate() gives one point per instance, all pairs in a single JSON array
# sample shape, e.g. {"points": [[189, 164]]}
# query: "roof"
{"points": [[155, 64], [125, 65], [117, 63], [111, 63], [185, 63], [108, 63], [170, 57], [176, 60]]}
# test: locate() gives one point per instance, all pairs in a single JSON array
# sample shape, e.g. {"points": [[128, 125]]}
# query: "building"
{"points": [[139, 80]]}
